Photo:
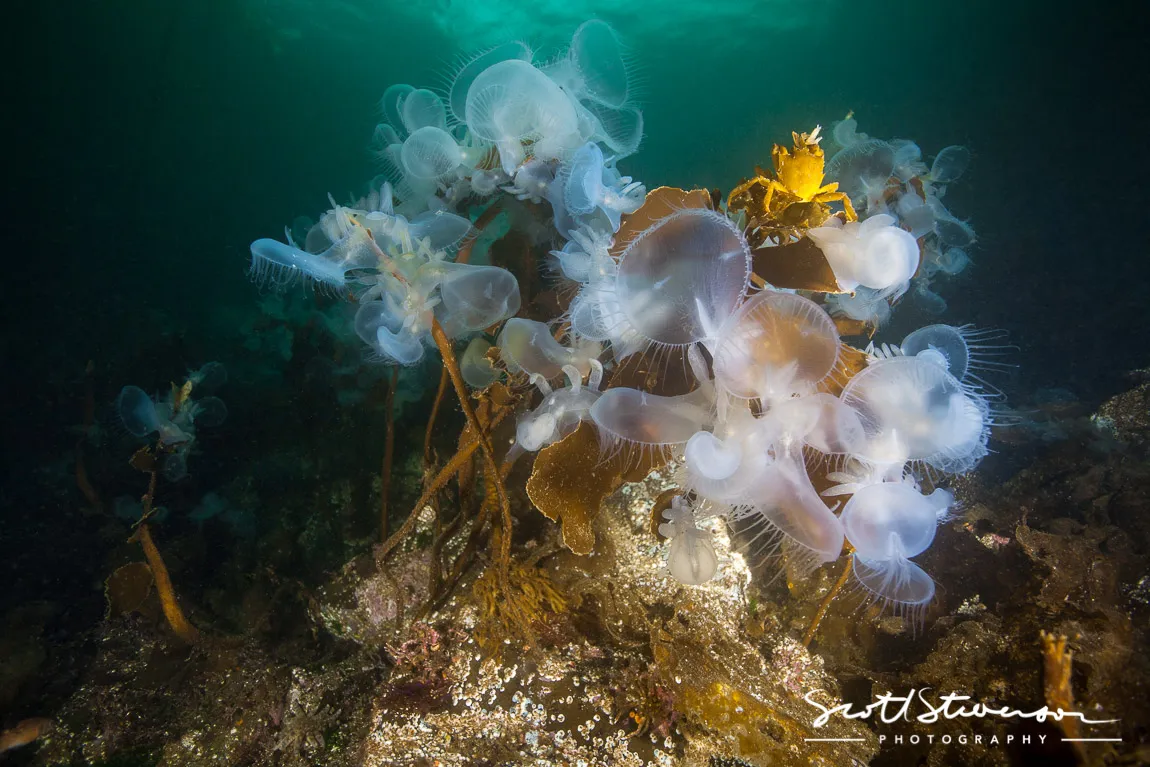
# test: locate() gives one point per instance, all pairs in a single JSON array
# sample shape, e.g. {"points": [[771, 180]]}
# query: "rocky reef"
{"points": [[626, 666]]}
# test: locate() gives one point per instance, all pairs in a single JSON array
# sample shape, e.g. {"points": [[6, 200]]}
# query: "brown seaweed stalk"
{"points": [[442, 477], [184, 630], [25, 732], [82, 480], [442, 534], [494, 418], [145, 460], [442, 586], [496, 478], [431, 420], [451, 365], [481, 223], [462, 257], [388, 453], [1057, 662], [826, 603], [438, 483], [469, 547]]}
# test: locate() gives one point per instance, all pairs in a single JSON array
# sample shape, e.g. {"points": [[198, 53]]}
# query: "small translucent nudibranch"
{"points": [[691, 557]]}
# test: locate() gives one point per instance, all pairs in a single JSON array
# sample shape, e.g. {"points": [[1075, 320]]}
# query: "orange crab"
{"points": [[782, 208]]}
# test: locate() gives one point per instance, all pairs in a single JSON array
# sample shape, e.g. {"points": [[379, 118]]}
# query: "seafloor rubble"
{"points": [[626, 666]]}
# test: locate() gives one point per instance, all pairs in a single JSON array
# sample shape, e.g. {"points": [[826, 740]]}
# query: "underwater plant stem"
{"points": [[82, 480], [1057, 666], [453, 467], [464, 558], [442, 533], [461, 561], [496, 477], [184, 630], [462, 257], [504, 473], [481, 223], [431, 421], [437, 484], [826, 603], [388, 452]]}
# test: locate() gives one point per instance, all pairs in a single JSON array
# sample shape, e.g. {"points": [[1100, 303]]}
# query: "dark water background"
{"points": [[147, 144]]}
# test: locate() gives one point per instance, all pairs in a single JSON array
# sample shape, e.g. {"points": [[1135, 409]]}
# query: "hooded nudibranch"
{"points": [[691, 557]]}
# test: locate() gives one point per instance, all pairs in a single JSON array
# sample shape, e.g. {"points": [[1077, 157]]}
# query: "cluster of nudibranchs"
{"points": [[172, 418], [778, 420]]}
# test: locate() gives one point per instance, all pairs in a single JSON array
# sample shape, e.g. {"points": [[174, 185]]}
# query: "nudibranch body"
{"points": [[691, 557], [887, 524]]}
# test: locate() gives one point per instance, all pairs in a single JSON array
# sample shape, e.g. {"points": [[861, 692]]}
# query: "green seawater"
{"points": [[176, 133], [147, 144]]}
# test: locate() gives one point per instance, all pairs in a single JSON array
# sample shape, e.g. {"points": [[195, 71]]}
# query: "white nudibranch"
{"points": [[887, 524], [875, 253], [691, 557]]}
